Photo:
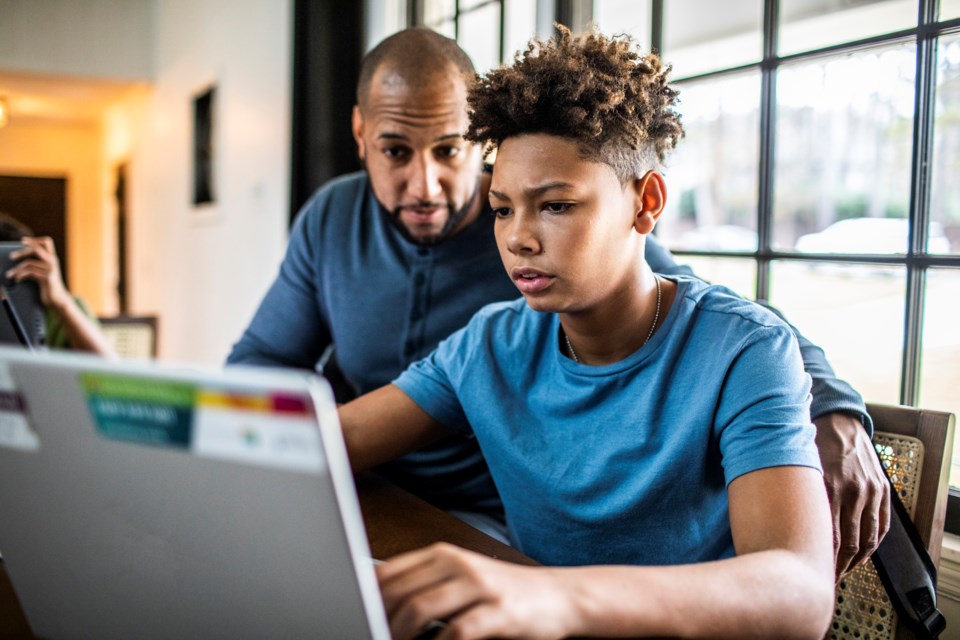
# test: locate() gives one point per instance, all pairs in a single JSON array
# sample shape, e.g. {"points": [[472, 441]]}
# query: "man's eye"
{"points": [[396, 153], [557, 207]]}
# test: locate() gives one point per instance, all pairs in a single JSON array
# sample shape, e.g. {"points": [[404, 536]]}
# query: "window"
{"points": [[490, 31], [818, 172]]}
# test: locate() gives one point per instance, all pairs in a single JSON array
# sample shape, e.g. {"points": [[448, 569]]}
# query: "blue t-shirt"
{"points": [[626, 463]]}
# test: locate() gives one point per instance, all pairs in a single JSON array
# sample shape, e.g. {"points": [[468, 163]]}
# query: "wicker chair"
{"points": [[915, 446]]}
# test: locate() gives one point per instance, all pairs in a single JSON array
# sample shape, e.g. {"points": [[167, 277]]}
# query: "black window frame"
{"points": [[415, 17]]}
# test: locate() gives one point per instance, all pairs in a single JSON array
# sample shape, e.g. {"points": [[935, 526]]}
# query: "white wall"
{"points": [[204, 269], [101, 38]]}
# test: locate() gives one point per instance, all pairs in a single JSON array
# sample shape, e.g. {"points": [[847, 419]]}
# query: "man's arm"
{"points": [[287, 329], [857, 487], [778, 586]]}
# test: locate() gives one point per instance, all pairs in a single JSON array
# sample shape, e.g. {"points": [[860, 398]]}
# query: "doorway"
{"points": [[39, 203]]}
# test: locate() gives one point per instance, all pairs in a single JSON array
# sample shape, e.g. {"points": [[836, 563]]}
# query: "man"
{"points": [[384, 264]]}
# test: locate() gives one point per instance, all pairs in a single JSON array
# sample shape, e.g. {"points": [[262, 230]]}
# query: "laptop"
{"points": [[139, 500]]}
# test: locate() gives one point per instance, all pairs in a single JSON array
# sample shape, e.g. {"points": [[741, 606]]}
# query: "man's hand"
{"points": [[38, 261], [857, 487], [476, 596]]}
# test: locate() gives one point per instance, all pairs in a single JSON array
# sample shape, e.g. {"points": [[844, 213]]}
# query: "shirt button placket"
{"points": [[418, 301]]}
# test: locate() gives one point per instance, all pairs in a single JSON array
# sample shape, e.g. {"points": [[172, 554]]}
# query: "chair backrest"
{"points": [[131, 336], [915, 447]]}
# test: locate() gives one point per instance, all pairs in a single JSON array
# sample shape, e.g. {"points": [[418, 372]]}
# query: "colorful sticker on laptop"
{"points": [[141, 410], [15, 431], [275, 430]]}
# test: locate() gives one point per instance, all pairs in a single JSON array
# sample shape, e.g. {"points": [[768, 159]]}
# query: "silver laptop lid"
{"points": [[142, 501]]}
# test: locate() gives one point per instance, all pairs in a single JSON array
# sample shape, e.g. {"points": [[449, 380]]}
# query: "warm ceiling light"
{"points": [[4, 112]]}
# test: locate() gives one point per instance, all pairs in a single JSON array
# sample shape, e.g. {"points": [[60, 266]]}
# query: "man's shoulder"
{"points": [[346, 189], [335, 206]]}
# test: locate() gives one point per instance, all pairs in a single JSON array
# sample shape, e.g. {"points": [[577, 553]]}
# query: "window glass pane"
{"points": [[854, 312], [735, 273], [437, 11], [812, 24], [480, 36], [446, 28], [519, 26], [940, 351], [706, 35], [624, 16], [711, 179], [949, 9], [945, 190], [844, 143]]}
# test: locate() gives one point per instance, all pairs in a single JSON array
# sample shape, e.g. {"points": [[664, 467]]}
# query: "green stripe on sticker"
{"points": [[142, 389], [141, 410]]}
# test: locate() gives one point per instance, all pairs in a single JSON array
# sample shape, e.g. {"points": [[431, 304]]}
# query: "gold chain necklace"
{"points": [[656, 317]]}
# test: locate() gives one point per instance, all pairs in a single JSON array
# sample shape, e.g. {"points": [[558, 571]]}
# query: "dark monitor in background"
{"points": [[24, 300]]}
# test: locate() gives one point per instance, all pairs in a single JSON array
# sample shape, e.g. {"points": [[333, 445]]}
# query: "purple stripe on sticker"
{"points": [[12, 401], [283, 403]]}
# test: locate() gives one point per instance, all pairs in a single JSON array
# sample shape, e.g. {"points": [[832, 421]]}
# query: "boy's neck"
{"points": [[620, 326]]}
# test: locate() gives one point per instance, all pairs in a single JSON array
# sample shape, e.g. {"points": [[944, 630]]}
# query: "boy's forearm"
{"points": [[383, 425], [769, 594]]}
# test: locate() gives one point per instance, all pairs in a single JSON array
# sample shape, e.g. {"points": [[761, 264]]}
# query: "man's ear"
{"points": [[650, 196], [356, 125]]}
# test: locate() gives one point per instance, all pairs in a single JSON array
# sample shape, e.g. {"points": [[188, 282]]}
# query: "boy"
{"points": [[651, 435]]}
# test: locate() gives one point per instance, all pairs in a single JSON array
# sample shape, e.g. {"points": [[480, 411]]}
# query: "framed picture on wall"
{"points": [[203, 148]]}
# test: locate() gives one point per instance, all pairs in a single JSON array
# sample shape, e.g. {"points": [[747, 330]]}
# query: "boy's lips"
{"points": [[531, 280]]}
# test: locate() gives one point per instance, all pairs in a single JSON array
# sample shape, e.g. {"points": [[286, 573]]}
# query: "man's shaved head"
{"points": [[416, 56]]}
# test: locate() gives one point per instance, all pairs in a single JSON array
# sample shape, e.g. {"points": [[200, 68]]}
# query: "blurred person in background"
{"points": [[69, 323]]}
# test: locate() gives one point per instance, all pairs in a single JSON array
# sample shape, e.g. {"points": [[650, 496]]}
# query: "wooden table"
{"points": [[396, 521]]}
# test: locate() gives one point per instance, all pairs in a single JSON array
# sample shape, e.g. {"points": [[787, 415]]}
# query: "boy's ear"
{"points": [[356, 125], [650, 196]]}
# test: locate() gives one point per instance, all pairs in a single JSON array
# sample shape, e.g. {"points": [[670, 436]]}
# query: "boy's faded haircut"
{"points": [[598, 91]]}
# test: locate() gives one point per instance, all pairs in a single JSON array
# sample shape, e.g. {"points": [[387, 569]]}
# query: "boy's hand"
{"points": [[857, 487], [476, 596], [38, 261]]}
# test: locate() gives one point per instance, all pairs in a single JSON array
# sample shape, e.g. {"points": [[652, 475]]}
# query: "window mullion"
{"points": [[768, 106], [919, 212]]}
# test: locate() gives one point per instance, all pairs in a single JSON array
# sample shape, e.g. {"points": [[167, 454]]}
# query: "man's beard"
{"points": [[454, 219]]}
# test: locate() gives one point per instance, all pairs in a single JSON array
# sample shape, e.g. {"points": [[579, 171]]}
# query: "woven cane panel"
{"points": [[863, 610]]}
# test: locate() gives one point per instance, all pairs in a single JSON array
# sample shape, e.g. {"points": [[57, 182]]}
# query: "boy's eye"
{"points": [[447, 152], [557, 207]]}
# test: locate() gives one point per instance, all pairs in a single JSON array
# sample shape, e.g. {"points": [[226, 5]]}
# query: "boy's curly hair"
{"points": [[599, 91]]}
